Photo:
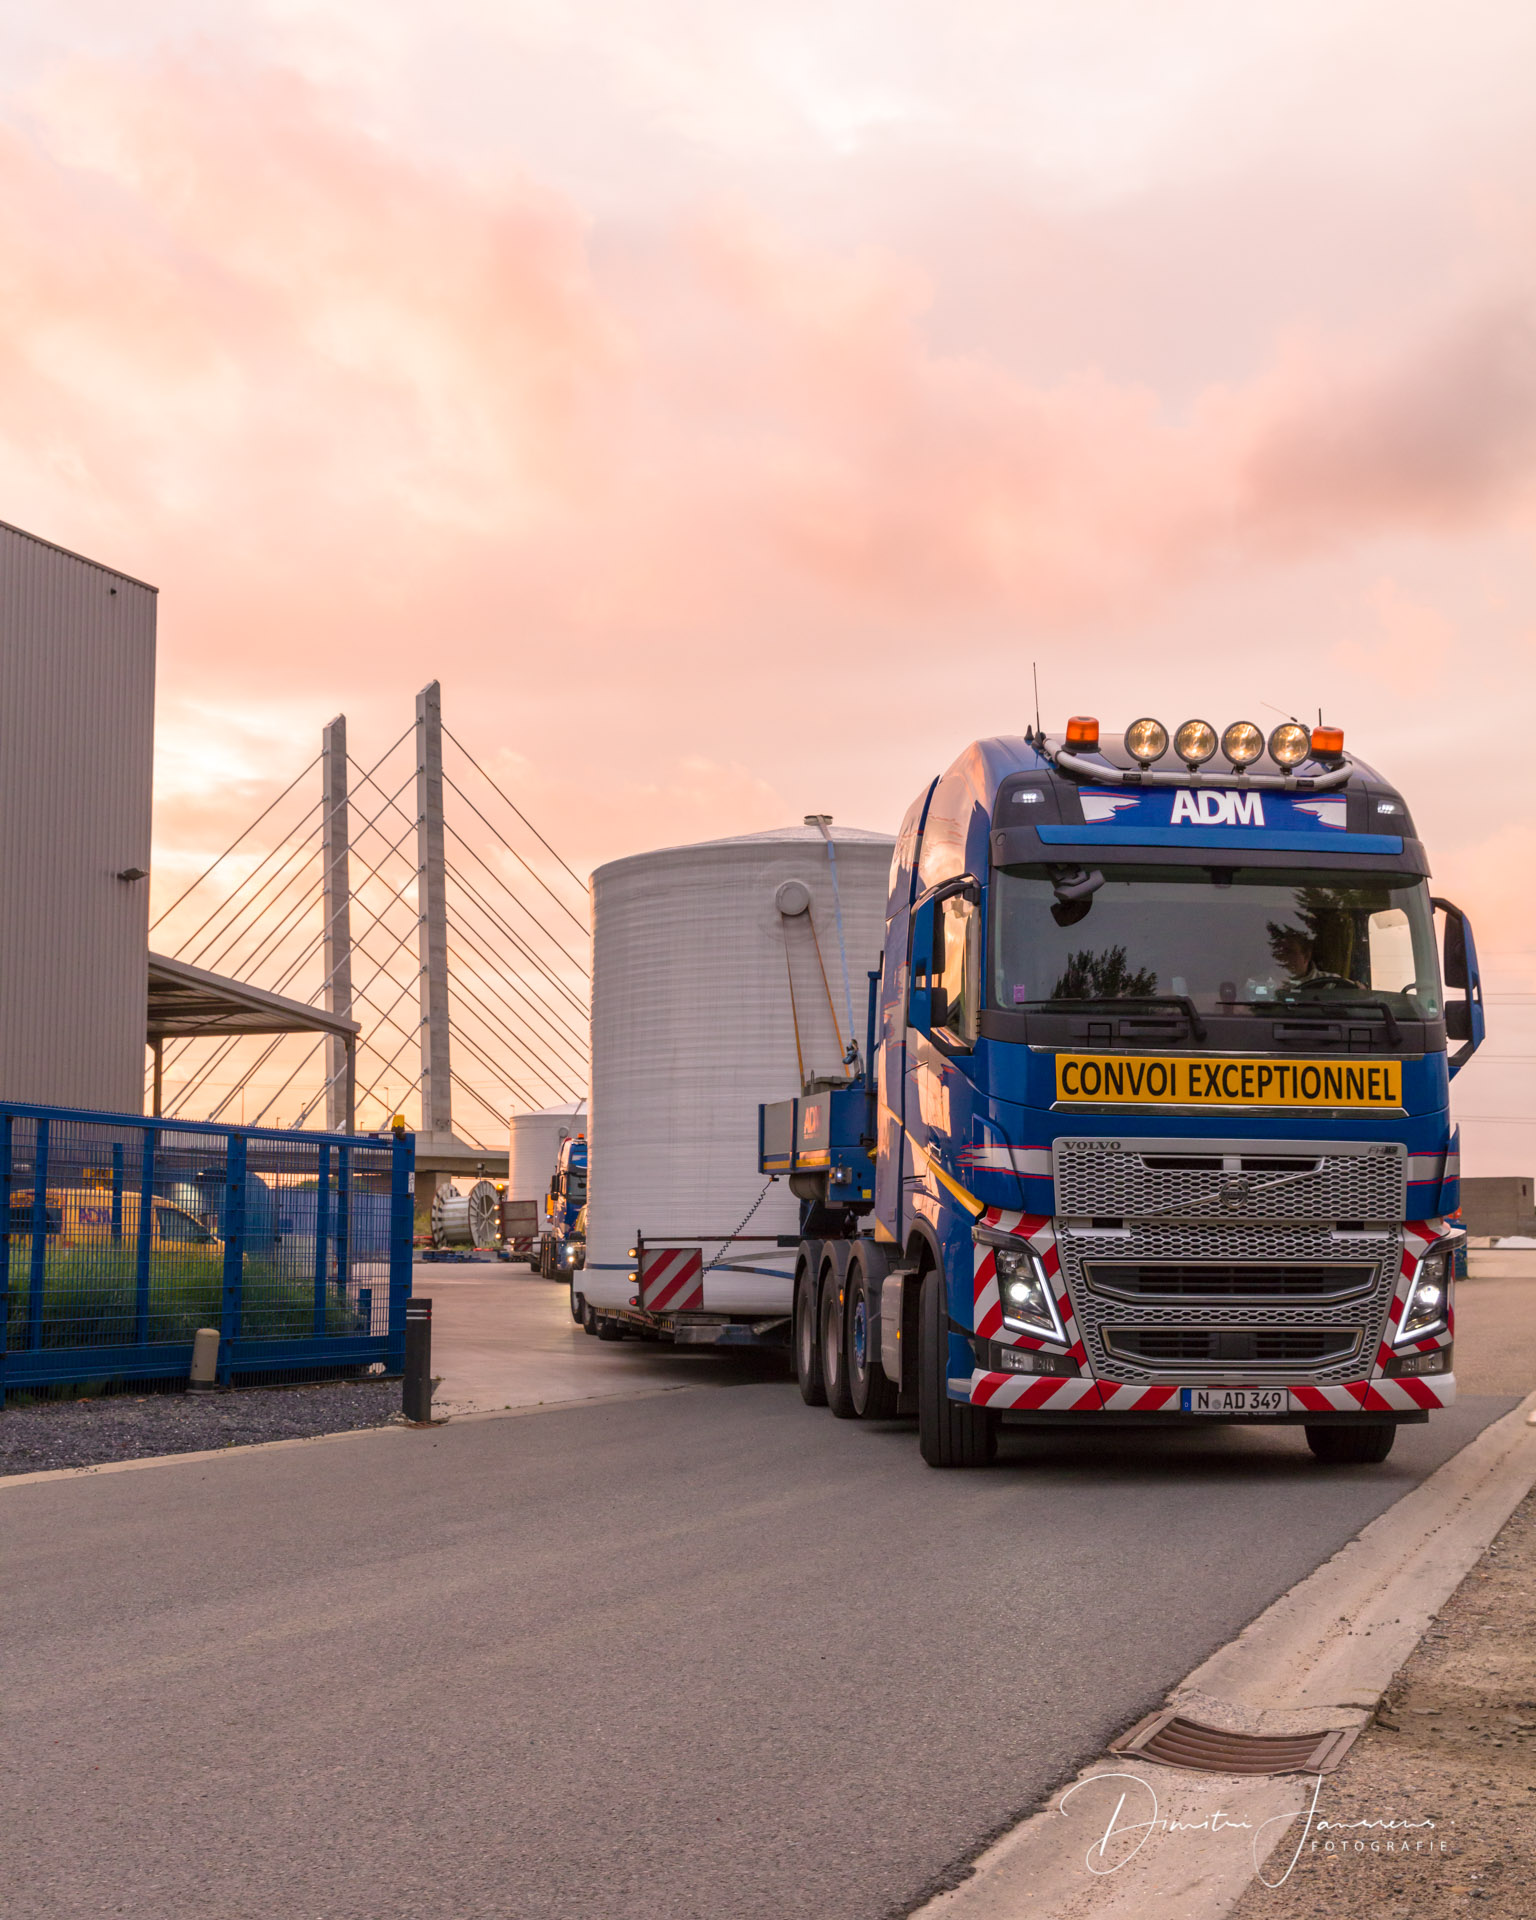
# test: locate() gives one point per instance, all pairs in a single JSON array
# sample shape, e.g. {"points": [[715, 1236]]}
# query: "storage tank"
{"points": [[534, 1143], [717, 983]]}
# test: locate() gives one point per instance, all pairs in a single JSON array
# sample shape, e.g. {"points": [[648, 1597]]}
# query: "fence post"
{"points": [[402, 1228], [117, 1192], [5, 1247], [322, 1238], [146, 1237], [39, 1235], [343, 1219], [234, 1255]]}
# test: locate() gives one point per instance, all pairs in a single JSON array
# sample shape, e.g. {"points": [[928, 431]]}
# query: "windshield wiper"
{"points": [[1322, 1012], [1185, 1005]]}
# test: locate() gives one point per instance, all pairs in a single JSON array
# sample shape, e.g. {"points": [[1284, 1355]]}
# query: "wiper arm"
{"points": [[1318, 1011], [1182, 1001]]}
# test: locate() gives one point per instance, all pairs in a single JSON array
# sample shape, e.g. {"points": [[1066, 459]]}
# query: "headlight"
{"points": [[1195, 742], [1024, 1291], [1427, 1305]]}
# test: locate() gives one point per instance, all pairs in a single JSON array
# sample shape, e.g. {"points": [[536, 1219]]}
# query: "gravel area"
{"points": [[1453, 1742], [88, 1433]]}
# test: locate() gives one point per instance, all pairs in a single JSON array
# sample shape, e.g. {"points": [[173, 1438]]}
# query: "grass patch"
{"points": [[91, 1301]]}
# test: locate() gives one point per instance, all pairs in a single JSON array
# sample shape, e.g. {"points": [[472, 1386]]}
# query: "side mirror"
{"points": [[1464, 1017]]}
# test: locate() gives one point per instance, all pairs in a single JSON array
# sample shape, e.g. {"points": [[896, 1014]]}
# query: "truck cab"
{"points": [[566, 1197], [1157, 1114]]}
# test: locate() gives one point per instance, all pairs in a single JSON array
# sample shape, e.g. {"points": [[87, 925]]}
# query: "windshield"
{"points": [[1247, 936]]}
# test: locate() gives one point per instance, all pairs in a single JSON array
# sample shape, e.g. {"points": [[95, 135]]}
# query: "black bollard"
{"points": [[416, 1400]]}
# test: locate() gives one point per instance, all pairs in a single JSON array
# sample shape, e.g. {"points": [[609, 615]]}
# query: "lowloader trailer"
{"points": [[1154, 1122]]}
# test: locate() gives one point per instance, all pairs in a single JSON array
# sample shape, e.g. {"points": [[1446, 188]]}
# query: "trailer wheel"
{"points": [[578, 1304], [813, 1389], [588, 1317], [949, 1433], [874, 1398], [610, 1329], [1364, 1446], [834, 1346]]}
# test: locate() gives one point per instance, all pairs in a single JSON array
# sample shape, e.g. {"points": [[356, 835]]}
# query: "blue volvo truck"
{"points": [[566, 1197], [1153, 1122]]}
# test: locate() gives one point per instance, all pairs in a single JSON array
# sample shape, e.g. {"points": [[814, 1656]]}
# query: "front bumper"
{"points": [[1095, 1379], [1024, 1393]]}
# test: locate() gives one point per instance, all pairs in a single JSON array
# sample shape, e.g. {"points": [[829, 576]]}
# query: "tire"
{"points": [[834, 1348], [873, 1396], [813, 1390], [949, 1433], [578, 1304], [588, 1317], [1365, 1445], [610, 1329]]}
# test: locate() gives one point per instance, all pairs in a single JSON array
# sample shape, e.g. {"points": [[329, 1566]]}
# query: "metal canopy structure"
{"points": [[187, 1002]]}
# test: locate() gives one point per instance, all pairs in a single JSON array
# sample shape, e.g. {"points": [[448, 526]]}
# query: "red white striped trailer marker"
{"points": [[672, 1279]]}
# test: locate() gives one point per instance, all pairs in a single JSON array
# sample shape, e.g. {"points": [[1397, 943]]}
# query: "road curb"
{"points": [[1320, 1656]]}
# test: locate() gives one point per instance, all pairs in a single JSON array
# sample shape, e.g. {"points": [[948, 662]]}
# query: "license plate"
{"points": [[1234, 1400]]}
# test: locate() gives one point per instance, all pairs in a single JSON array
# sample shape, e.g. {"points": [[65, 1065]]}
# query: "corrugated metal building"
{"points": [[77, 734]]}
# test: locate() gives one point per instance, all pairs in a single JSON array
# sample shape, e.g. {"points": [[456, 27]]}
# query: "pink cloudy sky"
{"points": [[728, 403]]}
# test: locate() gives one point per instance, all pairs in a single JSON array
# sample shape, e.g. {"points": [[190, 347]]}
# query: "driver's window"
{"points": [[957, 953]]}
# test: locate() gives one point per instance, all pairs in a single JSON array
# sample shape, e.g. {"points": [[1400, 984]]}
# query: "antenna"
{"points": [[1280, 710], [1034, 667]]}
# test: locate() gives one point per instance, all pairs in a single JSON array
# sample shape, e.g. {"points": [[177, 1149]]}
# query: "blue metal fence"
{"points": [[121, 1236]]}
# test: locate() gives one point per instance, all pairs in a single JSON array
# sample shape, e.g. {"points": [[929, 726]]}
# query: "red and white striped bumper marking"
{"points": [[1028, 1393], [1379, 1396], [671, 1279]]}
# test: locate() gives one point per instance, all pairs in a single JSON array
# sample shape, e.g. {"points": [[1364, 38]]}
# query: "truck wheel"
{"points": [[949, 1433], [807, 1340], [578, 1304], [1366, 1445], [834, 1350], [874, 1398], [588, 1317]]}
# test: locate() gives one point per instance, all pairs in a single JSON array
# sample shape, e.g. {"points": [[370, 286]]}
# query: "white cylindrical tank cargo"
{"points": [[533, 1145], [718, 982]]}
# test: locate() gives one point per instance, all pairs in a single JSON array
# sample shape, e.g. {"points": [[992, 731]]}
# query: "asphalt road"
{"points": [[701, 1653]]}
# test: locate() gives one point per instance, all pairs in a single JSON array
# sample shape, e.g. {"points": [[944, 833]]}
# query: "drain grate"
{"points": [[1171, 1740]]}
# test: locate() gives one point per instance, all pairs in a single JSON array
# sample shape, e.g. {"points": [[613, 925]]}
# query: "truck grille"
{"points": [[1218, 1255], [1215, 1180], [1228, 1346], [1228, 1280]]}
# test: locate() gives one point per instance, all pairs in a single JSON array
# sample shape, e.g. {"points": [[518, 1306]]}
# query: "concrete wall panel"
{"points": [[77, 698]]}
